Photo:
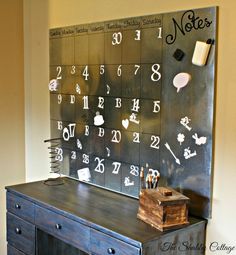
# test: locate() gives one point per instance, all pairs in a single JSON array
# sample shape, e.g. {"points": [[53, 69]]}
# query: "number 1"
{"points": [[159, 33]]}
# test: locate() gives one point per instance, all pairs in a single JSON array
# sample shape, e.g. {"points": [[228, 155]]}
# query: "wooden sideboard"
{"points": [[79, 219]]}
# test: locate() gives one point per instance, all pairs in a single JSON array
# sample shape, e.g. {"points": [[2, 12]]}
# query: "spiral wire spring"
{"points": [[55, 153]]}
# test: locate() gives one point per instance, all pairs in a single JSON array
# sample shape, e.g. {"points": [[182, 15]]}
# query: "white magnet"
{"points": [[180, 138], [189, 154], [84, 174], [185, 121], [127, 182], [108, 152], [201, 53], [98, 119], [53, 85], [125, 123], [199, 140], [181, 80]]}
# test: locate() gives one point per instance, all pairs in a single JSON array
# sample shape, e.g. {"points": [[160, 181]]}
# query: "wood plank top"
{"points": [[109, 212]]}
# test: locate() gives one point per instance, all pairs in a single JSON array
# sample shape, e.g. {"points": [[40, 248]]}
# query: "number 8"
{"points": [[156, 76]]}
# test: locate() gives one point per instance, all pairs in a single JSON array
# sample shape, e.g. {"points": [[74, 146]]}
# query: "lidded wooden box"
{"points": [[163, 208]]}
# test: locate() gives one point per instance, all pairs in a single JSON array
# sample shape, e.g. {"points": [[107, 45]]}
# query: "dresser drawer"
{"points": [[63, 228], [102, 244], [20, 234], [20, 207], [12, 251]]}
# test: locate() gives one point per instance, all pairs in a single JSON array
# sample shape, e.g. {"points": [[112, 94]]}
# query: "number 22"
{"points": [[155, 142]]}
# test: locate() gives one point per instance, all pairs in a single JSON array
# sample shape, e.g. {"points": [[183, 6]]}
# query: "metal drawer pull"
{"points": [[58, 226], [17, 206], [111, 251], [18, 231]]}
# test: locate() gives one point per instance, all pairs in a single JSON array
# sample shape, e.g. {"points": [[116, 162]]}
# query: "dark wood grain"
{"points": [[63, 228], [13, 251], [161, 211], [21, 234], [50, 245], [109, 212], [102, 244], [20, 207]]}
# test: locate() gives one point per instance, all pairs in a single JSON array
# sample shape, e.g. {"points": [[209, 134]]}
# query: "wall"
{"points": [[222, 227], [36, 75], [11, 103]]}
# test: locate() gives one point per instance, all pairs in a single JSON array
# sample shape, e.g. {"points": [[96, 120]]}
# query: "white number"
{"points": [[116, 38], [101, 102], [73, 155], [159, 33], [85, 158], [86, 73], [101, 132], [72, 99], [59, 99], [100, 166], [59, 76], [116, 136], [135, 105], [79, 144], [134, 170], [156, 107], [116, 167], [119, 70], [59, 125], [59, 153], [118, 102], [155, 142], [156, 76], [85, 98], [136, 137], [72, 70], [69, 132], [77, 89], [137, 68], [102, 69], [138, 35], [66, 134], [86, 131]]}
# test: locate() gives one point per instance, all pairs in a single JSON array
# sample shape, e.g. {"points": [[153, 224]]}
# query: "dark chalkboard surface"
{"points": [[137, 92]]}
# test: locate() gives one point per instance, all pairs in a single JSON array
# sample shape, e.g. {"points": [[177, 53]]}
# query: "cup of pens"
{"points": [[150, 179]]}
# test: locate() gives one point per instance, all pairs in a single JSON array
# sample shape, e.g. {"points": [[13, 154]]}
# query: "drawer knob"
{"points": [[17, 206], [18, 231], [111, 251], [58, 226]]}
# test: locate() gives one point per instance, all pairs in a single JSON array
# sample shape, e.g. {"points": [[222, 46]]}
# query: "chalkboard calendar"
{"points": [[126, 94]]}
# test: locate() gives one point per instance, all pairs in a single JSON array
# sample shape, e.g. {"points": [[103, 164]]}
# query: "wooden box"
{"points": [[163, 208]]}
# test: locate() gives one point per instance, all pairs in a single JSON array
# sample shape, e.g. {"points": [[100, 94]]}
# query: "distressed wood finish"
{"points": [[92, 219], [20, 207], [50, 245], [21, 234], [63, 228], [163, 209], [104, 244], [12, 251]]}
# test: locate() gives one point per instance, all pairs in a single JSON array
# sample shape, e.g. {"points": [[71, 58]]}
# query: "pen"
{"points": [[150, 182], [142, 182]]}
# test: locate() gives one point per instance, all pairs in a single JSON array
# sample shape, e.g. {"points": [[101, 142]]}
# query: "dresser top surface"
{"points": [[112, 213]]}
